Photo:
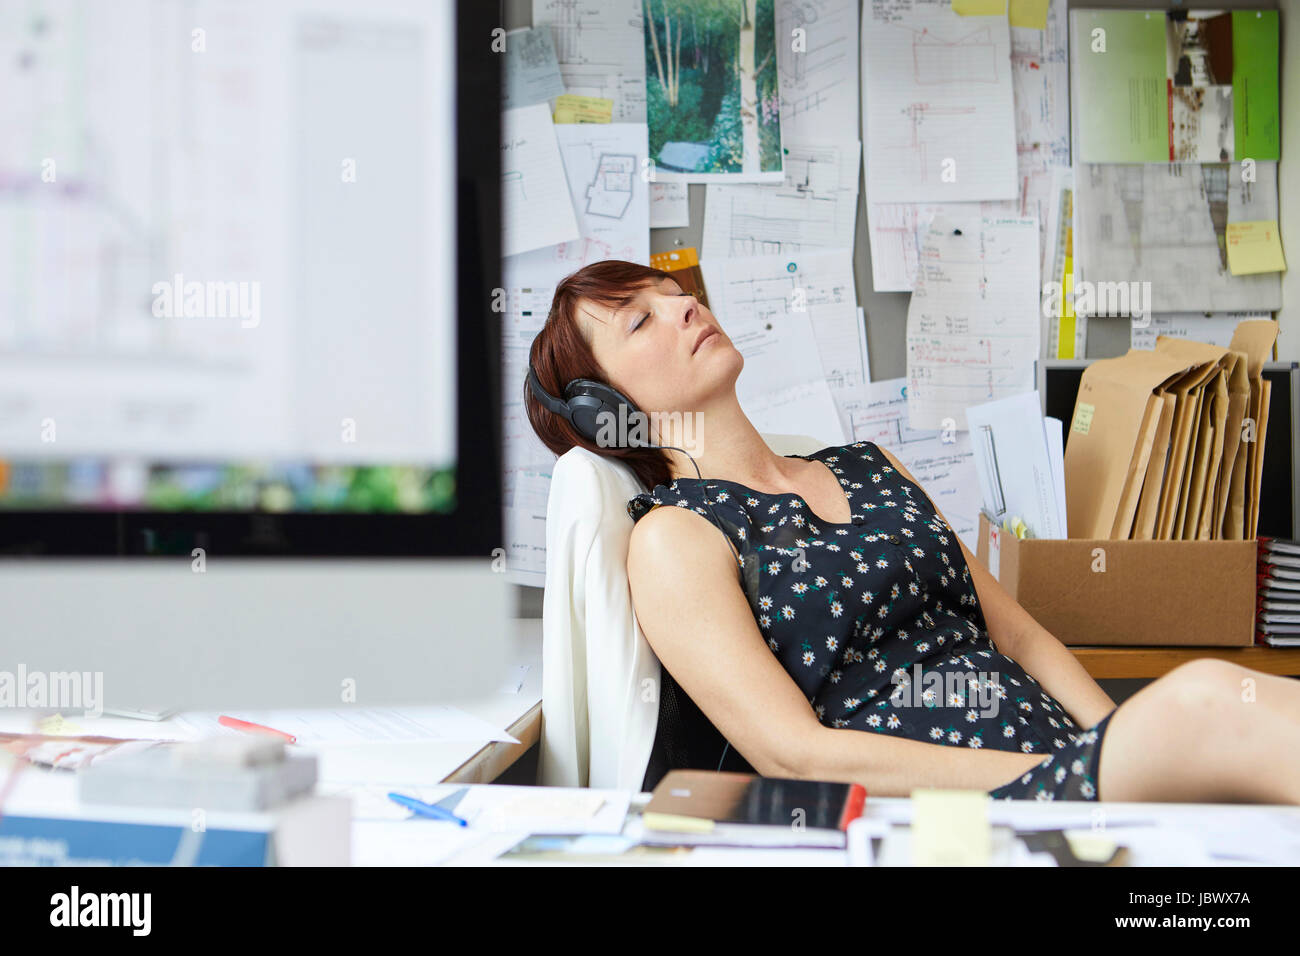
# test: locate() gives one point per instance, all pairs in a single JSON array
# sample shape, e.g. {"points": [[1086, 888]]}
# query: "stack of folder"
{"points": [[1169, 444], [1277, 618]]}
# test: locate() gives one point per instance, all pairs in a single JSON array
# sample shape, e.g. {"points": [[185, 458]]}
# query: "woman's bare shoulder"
{"points": [[681, 537]]}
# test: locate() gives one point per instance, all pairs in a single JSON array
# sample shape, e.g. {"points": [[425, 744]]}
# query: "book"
{"points": [[710, 808]]}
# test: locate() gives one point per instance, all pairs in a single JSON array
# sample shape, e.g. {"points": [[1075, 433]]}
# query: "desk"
{"points": [[1151, 662]]}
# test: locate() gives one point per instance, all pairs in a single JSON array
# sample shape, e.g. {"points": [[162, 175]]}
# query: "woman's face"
{"points": [[651, 349]]}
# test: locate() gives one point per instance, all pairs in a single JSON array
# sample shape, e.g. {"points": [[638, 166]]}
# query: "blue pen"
{"points": [[426, 809]]}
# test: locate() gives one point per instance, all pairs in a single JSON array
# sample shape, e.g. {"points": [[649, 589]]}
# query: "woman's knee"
{"points": [[1205, 688]]}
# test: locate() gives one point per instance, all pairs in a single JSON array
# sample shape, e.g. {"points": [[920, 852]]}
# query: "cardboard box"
{"points": [[1127, 592]]}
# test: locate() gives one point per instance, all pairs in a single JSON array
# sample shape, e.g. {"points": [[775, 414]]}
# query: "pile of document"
{"points": [[1020, 464], [1277, 616], [1168, 444]]}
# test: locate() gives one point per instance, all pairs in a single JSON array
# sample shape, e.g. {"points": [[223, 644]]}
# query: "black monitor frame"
{"points": [[474, 527]]}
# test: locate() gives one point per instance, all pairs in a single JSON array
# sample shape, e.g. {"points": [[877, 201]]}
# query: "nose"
{"points": [[692, 310]]}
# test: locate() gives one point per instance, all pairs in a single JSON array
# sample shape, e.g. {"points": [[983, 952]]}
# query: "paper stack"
{"points": [[1168, 444], [1278, 610]]}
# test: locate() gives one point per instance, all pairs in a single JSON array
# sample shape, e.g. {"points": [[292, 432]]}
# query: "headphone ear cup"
{"points": [[589, 401]]}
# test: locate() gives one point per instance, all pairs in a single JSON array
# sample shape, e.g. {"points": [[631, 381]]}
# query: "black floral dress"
{"points": [[878, 623]]}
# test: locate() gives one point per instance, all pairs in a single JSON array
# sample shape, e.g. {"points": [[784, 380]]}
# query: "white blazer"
{"points": [[600, 678]]}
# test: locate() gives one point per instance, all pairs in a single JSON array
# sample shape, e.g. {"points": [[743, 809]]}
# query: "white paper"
{"points": [[535, 200], [1040, 82], [1017, 475], [819, 83], [938, 106], [973, 323], [940, 460], [670, 206], [815, 208], [1154, 223], [602, 164], [1213, 328], [531, 73], [773, 308], [601, 49], [358, 725]]}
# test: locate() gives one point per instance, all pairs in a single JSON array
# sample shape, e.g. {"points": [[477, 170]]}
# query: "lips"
{"points": [[706, 334]]}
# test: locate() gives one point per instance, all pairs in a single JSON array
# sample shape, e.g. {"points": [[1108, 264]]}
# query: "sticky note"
{"points": [[1254, 247], [979, 8], [582, 109], [951, 828], [1029, 13], [1090, 846]]}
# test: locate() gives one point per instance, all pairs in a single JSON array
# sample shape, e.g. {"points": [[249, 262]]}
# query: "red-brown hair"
{"points": [[560, 353]]}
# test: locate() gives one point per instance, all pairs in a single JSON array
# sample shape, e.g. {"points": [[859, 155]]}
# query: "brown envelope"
{"points": [[1238, 400], [1256, 338], [1128, 501], [1109, 416], [1187, 391], [1145, 523]]}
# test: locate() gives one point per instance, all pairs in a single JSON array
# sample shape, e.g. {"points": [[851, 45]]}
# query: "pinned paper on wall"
{"points": [[534, 193], [532, 74], [1254, 247]]}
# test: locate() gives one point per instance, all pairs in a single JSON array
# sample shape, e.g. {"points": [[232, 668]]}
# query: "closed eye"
{"points": [[647, 315]]}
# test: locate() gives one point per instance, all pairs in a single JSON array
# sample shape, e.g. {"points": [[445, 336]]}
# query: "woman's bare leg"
{"points": [[1208, 731]]}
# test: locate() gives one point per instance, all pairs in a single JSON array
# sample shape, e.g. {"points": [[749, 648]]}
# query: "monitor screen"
{"points": [[229, 279]]}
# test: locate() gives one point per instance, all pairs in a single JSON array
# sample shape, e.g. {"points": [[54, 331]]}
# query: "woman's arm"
{"points": [[698, 622], [1016, 634]]}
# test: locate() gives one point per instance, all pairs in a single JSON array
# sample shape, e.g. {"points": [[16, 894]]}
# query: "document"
{"points": [[1158, 230], [779, 310], [357, 725], [1200, 86], [670, 206], [818, 70], [815, 208], [1014, 461], [1040, 82], [939, 112], [973, 323], [532, 74], [1214, 328], [600, 49], [535, 200]]}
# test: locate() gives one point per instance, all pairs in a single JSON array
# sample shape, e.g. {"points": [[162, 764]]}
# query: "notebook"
{"points": [[708, 808]]}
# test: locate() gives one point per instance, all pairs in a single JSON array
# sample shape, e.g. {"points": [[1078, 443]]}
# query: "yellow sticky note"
{"points": [[951, 828], [1254, 247], [1091, 846], [1029, 13], [979, 8], [582, 109]]}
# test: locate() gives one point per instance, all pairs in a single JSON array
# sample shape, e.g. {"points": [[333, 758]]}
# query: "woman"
{"points": [[814, 635]]}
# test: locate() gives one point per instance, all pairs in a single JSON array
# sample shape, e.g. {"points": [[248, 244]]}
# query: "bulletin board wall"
{"points": [[886, 312]]}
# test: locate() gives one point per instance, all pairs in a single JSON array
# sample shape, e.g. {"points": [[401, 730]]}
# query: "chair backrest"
{"points": [[601, 711]]}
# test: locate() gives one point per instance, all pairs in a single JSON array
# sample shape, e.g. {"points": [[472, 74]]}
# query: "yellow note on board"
{"points": [[1254, 247], [1029, 13], [951, 828], [979, 8], [582, 109]]}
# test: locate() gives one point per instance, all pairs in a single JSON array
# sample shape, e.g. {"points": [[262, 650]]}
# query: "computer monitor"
{"points": [[249, 369]]}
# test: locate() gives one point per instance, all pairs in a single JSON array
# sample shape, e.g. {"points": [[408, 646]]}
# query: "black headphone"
{"points": [[583, 404], [585, 401]]}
